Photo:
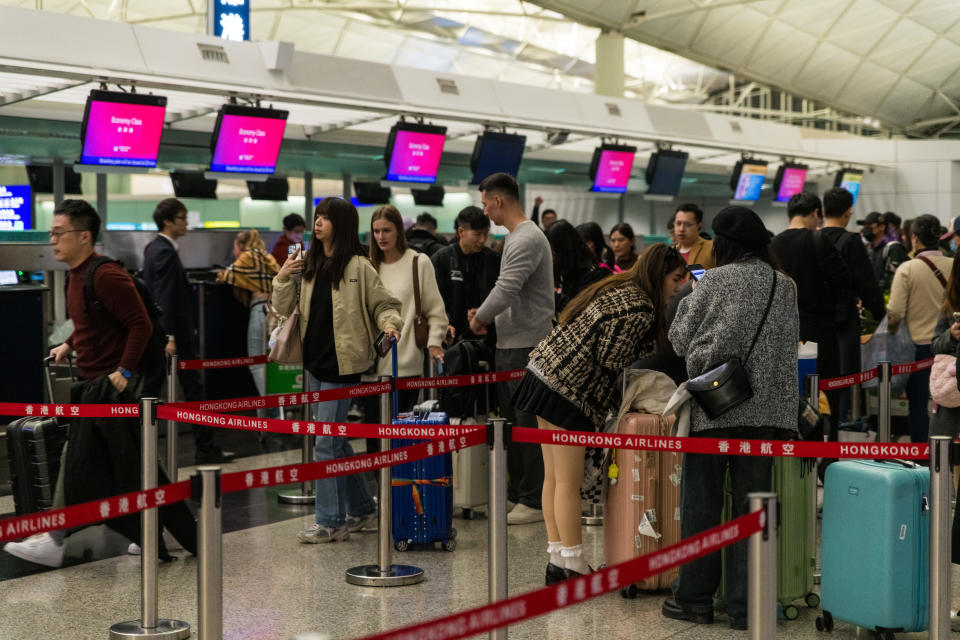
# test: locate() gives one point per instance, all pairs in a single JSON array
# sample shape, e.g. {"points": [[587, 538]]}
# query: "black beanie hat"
{"points": [[741, 224]]}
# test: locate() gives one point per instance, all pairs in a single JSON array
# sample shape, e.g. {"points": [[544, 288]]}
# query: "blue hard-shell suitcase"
{"points": [[875, 549], [423, 494]]}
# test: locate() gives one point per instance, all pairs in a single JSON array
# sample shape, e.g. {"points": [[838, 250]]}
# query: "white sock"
{"points": [[573, 559], [553, 548]]}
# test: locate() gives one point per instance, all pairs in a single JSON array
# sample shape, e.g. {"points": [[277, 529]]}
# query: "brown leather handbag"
{"points": [[421, 328]]}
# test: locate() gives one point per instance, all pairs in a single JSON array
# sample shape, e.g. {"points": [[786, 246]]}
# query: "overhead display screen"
{"points": [[496, 152], [665, 172], [748, 177], [413, 152], [247, 139], [850, 180], [611, 167], [790, 180], [122, 129], [16, 208]]}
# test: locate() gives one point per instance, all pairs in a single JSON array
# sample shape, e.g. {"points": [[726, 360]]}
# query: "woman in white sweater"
{"points": [[394, 261]]}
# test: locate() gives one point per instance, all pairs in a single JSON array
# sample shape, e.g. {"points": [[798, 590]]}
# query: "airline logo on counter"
{"points": [[231, 19]]}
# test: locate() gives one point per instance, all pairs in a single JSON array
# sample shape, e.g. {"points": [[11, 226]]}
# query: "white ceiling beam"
{"points": [[636, 19]]}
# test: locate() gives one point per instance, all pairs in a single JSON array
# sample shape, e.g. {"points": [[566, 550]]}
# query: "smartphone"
{"points": [[383, 345], [956, 317], [696, 270], [293, 249]]}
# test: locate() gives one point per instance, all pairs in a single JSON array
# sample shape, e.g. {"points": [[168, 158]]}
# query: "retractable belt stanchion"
{"points": [[149, 625], [498, 435], [305, 496], [856, 407], [385, 573], [940, 492], [172, 425], [432, 394], [762, 570], [205, 487], [883, 403], [594, 517], [813, 397]]}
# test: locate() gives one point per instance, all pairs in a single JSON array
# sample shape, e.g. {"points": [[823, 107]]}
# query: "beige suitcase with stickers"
{"points": [[642, 512]]}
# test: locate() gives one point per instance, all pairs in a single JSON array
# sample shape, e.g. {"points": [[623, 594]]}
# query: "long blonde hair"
{"points": [[250, 239], [647, 273]]}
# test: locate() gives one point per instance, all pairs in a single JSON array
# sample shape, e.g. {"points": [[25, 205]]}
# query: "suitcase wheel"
{"points": [[401, 545], [790, 612], [450, 544], [825, 622], [812, 600], [884, 635], [630, 592]]}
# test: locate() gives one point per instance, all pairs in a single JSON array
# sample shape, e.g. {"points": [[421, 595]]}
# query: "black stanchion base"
{"points": [[165, 630], [370, 576]]}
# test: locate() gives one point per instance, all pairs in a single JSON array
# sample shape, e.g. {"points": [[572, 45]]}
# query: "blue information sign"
{"points": [[230, 19], [16, 208]]}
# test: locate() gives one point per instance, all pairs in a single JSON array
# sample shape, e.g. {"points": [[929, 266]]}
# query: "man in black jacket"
{"points": [[837, 210], [423, 235], [822, 278], [466, 272], [164, 275]]}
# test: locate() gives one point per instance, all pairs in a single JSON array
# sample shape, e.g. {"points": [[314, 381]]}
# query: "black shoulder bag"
{"points": [[727, 385]]}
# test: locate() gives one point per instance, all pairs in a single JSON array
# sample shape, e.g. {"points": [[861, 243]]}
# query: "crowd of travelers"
{"points": [[570, 304]]}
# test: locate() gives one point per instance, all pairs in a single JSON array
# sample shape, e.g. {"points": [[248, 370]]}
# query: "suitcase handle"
{"points": [[48, 362]]}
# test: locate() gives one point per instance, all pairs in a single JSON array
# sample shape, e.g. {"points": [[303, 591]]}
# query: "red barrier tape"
{"points": [[314, 428], [285, 399], [459, 381], [97, 510], [70, 410], [727, 446], [832, 384], [93, 511], [222, 363], [911, 367], [572, 592]]}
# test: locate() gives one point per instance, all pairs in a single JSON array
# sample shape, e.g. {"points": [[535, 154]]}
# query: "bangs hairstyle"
{"points": [[647, 274], [346, 244], [389, 213]]}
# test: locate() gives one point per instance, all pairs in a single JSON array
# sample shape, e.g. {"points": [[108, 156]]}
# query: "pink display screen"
{"points": [[416, 156], [613, 171], [791, 183], [122, 135], [248, 144]]}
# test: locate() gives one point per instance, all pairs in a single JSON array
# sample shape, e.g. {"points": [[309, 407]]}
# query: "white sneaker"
{"points": [[318, 534], [955, 622], [39, 549], [522, 514], [133, 549], [510, 506], [356, 524]]}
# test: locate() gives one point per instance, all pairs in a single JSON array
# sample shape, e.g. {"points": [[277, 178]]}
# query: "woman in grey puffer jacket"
{"points": [[717, 321]]}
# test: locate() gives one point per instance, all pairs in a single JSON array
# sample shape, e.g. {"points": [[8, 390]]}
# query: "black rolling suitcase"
{"points": [[34, 445]]}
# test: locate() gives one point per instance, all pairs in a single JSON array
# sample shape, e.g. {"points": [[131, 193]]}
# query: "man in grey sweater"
{"points": [[521, 305]]}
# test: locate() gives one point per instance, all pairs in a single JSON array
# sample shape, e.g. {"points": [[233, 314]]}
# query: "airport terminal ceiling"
{"points": [[884, 66]]}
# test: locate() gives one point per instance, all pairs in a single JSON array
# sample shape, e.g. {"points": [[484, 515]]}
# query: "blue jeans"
{"points": [[257, 346], [701, 503], [343, 495], [918, 394]]}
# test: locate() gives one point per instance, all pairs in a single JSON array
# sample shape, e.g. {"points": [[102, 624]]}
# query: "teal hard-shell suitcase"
{"points": [[875, 545]]}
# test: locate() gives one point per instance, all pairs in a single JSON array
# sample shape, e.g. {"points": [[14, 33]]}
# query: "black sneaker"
{"points": [[674, 611], [554, 574], [738, 624]]}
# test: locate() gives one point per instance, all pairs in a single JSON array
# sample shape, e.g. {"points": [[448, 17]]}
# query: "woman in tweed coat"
{"points": [[572, 377]]}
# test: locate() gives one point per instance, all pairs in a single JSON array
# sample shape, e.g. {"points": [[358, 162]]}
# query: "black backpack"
{"points": [[153, 361], [462, 358]]}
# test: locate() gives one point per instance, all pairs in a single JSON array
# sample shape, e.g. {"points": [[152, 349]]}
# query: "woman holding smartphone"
{"points": [[571, 381], [343, 307], [398, 265]]}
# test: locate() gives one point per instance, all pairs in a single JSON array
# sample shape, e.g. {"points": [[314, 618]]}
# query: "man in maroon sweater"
{"points": [[108, 341]]}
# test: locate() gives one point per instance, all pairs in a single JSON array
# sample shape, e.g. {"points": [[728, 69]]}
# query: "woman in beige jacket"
{"points": [[343, 307]]}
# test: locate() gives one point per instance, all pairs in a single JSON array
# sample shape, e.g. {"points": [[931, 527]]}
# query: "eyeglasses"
{"points": [[55, 235], [183, 217]]}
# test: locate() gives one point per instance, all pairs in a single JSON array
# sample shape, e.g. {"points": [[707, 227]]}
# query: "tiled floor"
{"points": [[277, 588]]}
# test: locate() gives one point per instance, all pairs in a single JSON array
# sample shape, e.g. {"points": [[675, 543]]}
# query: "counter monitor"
{"points": [[413, 152], [121, 130], [610, 168], [246, 140]]}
